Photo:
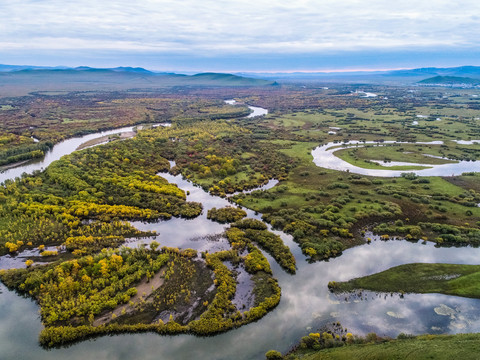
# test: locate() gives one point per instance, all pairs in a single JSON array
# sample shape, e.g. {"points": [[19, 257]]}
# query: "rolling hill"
{"points": [[450, 81], [22, 81], [394, 77], [121, 78]]}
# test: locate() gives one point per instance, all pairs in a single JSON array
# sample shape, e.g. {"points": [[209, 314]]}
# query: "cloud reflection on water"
{"points": [[306, 303]]}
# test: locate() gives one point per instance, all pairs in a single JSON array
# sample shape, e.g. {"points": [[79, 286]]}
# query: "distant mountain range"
{"points": [[84, 72], [430, 71], [140, 77], [450, 81], [28, 67], [21, 80], [14, 68], [408, 76], [461, 71]]}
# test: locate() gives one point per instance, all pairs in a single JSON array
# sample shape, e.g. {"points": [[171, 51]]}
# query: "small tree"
{"points": [[154, 245], [273, 355]]}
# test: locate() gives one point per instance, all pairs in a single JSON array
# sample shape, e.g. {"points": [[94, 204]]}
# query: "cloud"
{"points": [[237, 27], [225, 28]]}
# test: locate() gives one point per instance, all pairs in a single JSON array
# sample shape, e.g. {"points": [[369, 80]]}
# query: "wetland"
{"points": [[317, 214]]}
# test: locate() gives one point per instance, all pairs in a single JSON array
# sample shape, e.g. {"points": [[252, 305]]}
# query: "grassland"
{"points": [[338, 199], [387, 120], [449, 279], [368, 159], [441, 347], [394, 152], [339, 204]]}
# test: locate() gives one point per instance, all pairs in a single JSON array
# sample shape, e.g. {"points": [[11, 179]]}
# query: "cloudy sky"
{"points": [[243, 35]]}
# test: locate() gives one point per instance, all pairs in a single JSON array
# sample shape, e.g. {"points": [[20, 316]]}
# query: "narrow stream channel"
{"points": [[306, 303]]}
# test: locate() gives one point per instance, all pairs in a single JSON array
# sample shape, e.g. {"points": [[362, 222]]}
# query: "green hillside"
{"points": [[85, 79], [450, 80]]}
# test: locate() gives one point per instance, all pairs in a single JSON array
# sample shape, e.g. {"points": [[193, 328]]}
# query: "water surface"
{"points": [[324, 156], [256, 111], [306, 303]]}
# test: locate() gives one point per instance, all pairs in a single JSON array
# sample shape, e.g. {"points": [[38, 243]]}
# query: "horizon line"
{"points": [[324, 71], [289, 71]]}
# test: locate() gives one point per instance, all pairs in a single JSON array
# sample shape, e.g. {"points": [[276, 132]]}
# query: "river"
{"points": [[256, 111], [60, 149], [306, 303], [366, 94], [324, 156]]}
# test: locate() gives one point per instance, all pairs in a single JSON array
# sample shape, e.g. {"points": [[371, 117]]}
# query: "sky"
{"points": [[242, 35]]}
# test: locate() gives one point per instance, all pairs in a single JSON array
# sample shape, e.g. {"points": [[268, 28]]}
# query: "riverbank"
{"points": [[106, 139], [423, 347], [449, 279]]}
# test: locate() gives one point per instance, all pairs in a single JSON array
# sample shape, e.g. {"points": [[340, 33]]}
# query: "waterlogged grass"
{"points": [[449, 279], [400, 152], [353, 157], [388, 120], [300, 150], [339, 203], [439, 347]]}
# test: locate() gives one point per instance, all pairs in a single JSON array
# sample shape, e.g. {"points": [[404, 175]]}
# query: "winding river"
{"points": [[62, 148], [306, 303], [256, 111], [324, 156]]}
